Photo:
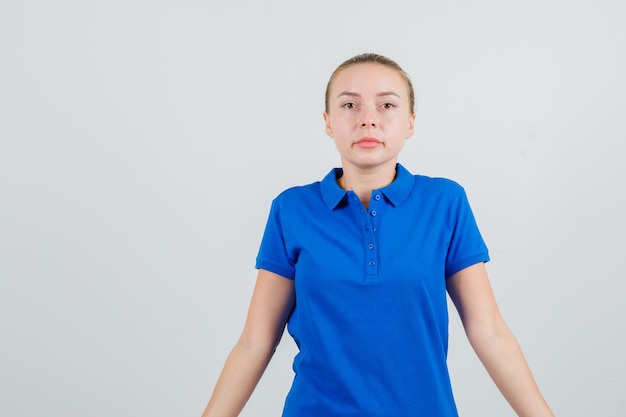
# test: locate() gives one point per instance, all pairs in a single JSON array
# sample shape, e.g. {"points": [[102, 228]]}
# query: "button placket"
{"points": [[370, 238]]}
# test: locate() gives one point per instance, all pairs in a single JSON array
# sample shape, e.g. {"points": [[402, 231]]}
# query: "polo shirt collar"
{"points": [[395, 192]]}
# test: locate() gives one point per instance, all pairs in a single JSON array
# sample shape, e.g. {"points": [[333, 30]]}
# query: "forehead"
{"points": [[369, 77]]}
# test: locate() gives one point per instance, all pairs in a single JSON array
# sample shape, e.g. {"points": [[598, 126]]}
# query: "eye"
{"points": [[349, 105], [388, 106]]}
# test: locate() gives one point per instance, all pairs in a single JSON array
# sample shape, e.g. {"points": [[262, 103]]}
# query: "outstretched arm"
{"points": [[494, 343], [272, 302]]}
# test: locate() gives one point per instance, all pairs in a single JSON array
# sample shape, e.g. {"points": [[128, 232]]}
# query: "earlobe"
{"points": [[329, 130], [411, 128]]}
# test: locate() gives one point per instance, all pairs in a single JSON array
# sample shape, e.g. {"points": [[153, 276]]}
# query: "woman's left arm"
{"points": [[494, 343]]}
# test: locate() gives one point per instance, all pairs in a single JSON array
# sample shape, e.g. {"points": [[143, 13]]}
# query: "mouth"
{"points": [[368, 142]]}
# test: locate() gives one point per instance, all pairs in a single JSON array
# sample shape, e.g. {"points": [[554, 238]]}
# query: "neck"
{"points": [[363, 181]]}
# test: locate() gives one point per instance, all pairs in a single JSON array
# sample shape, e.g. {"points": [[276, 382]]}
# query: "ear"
{"points": [[411, 128], [329, 129]]}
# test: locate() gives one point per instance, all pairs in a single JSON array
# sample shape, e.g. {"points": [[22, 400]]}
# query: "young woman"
{"points": [[358, 266]]}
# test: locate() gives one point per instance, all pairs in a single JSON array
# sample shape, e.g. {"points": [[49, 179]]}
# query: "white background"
{"points": [[141, 143]]}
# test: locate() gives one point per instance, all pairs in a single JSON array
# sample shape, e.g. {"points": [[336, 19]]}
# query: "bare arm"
{"points": [[271, 304], [494, 343]]}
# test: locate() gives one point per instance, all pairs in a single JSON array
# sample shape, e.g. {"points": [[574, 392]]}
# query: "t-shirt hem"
{"points": [[275, 268], [466, 262]]}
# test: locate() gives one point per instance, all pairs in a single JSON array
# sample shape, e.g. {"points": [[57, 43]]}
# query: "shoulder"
{"points": [[437, 194], [299, 193], [437, 186], [298, 199], [296, 203]]}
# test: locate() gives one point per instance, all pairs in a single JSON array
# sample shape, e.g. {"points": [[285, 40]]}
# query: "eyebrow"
{"points": [[381, 94]]}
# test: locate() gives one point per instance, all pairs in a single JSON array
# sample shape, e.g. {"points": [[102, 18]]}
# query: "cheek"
{"points": [[343, 122]]}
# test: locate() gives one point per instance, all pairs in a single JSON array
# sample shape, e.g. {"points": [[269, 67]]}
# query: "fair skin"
{"points": [[369, 119]]}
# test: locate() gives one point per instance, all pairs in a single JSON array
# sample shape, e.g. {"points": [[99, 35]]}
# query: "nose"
{"points": [[368, 123], [368, 119]]}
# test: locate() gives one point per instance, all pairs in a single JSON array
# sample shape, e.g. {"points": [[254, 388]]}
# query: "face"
{"points": [[369, 116]]}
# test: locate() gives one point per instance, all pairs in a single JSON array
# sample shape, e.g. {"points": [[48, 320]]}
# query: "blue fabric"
{"points": [[371, 318]]}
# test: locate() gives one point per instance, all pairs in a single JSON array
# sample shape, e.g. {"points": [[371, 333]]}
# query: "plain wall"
{"points": [[141, 143]]}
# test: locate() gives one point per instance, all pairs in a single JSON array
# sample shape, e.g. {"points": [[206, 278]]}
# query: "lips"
{"points": [[368, 142]]}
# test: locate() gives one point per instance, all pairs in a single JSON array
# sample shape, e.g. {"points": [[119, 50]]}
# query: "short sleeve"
{"points": [[467, 246], [273, 255]]}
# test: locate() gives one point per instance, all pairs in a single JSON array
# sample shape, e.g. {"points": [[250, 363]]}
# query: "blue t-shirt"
{"points": [[371, 318]]}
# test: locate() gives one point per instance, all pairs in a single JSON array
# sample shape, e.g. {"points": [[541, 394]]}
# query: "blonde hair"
{"points": [[371, 58]]}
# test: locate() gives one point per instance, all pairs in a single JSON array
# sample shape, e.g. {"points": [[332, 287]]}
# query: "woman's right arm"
{"points": [[272, 302]]}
